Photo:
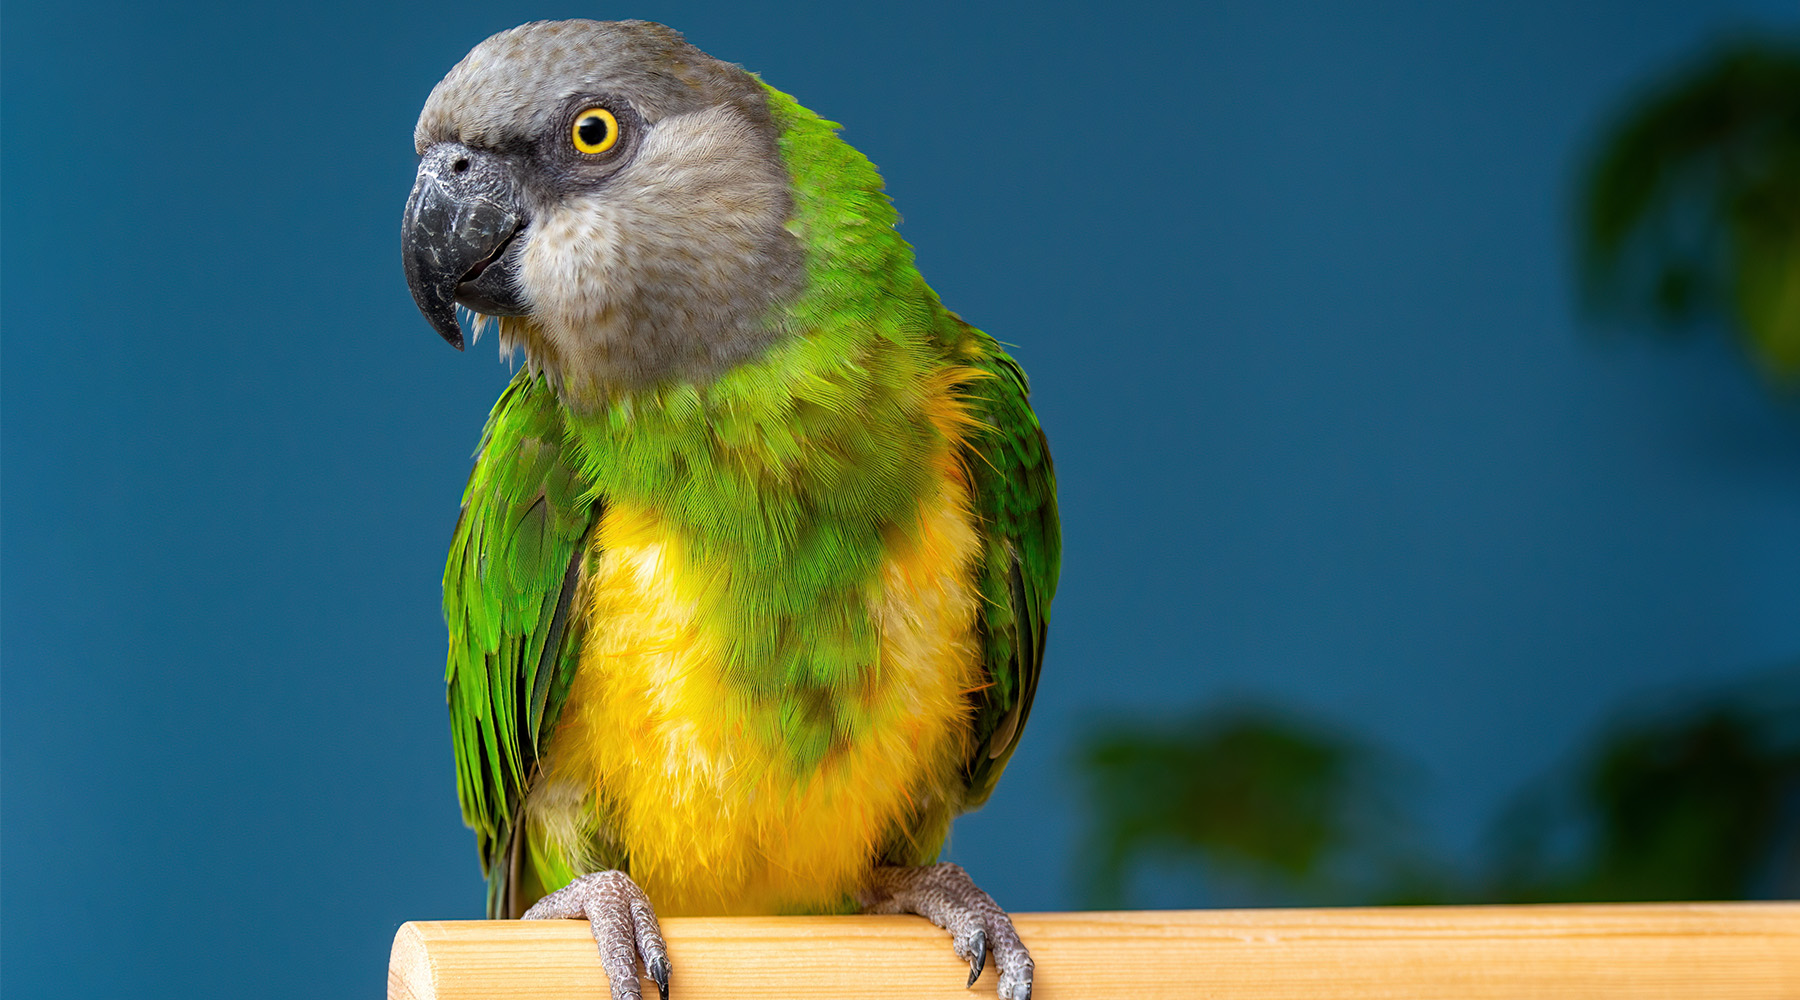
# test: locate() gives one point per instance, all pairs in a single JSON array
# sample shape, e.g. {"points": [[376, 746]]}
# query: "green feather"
{"points": [[1015, 495], [508, 584]]}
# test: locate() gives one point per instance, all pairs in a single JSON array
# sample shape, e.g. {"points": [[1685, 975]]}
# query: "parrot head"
{"points": [[615, 196]]}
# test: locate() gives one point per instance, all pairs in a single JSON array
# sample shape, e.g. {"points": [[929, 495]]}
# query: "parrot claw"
{"points": [[624, 927], [945, 895], [658, 968]]}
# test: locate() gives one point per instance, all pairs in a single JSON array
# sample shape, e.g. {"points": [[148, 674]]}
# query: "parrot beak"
{"points": [[458, 238]]}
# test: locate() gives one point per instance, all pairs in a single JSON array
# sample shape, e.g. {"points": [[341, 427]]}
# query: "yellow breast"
{"points": [[658, 755]]}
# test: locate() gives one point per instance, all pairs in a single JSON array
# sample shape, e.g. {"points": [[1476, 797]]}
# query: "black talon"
{"points": [[978, 958], [659, 974]]}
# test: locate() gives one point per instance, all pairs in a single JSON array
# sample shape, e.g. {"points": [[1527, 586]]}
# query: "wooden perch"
{"points": [[1690, 951]]}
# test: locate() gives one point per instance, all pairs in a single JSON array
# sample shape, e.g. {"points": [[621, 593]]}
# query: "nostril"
{"points": [[461, 164]]}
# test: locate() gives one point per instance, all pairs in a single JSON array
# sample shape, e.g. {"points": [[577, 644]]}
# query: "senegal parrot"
{"points": [[748, 595]]}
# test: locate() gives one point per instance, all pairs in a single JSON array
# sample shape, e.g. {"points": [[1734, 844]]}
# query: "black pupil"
{"points": [[592, 130]]}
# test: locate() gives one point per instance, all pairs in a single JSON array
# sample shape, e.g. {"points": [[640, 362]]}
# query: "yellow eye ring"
{"points": [[595, 131]]}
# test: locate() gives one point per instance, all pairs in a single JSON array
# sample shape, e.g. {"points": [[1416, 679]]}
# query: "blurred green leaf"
{"points": [[1690, 209], [1699, 801], [1262, 792]]}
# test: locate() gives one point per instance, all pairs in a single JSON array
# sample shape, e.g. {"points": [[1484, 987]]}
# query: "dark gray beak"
{"points": [[459, 239]]}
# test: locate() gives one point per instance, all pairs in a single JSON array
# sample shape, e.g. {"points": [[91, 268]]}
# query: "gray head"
{"points": [[614, 192]]}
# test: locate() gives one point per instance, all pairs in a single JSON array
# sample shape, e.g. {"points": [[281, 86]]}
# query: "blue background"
{"points": [[1292, 281]]}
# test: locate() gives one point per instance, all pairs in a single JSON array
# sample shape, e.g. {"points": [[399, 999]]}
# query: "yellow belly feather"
{"points": [[655, 739]]}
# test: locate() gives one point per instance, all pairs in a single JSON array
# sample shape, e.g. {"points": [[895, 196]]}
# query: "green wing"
{"points": [[1015, 496], [514, 567]]}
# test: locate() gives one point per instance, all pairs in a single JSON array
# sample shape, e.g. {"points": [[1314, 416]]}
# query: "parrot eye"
{"points": [[595, 131]]}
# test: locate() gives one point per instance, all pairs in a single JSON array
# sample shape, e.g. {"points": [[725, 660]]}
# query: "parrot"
{"points": [[749, 591]]}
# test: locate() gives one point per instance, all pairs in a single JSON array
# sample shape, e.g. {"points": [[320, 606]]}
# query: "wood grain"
{"points": [[1691, 951]]}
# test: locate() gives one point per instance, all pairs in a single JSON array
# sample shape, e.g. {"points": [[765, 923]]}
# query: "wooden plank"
{"points": [[1690, 951]]}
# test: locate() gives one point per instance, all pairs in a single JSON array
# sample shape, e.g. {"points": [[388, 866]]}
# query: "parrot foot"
{"points": [[624, 927], [944, 895]]}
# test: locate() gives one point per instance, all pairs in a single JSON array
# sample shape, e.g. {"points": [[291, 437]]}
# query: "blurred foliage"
{"points": [[1699, 802], [1272, 798], [1690, 210], [1254, 791]]}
